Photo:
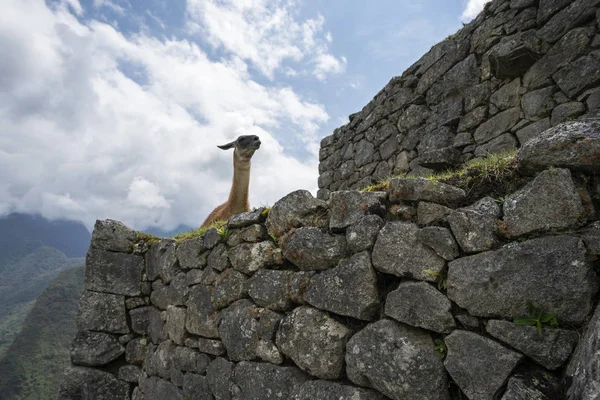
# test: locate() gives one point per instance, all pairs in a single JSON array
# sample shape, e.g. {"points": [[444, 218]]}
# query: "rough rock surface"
{"points": [[202, 319], [478, 365], [250, 257], [431, 212], [95, 348], [190, 253], [79, 383], [311, 249], [112, 235], [116, 273], [295, 210], [475, 227], [156, 388], [549, 272], [440, 240], [549, 202], [229, 287], [270, 289], [362, 235], [349, 289], [314, 341], [399, 252], [102, 312], [161, 261], [584, 367], [535, 384], [421, 189], [420, 304], [245, 219], [195, 387], [322, 390], [574, 145], [258, 381], [219, 375], [591, 237], [550, 349], [348, 207], [383, 353]]}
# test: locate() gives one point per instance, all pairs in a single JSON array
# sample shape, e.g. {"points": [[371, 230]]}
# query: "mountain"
{"points": [[23, 280], [35, 360]]}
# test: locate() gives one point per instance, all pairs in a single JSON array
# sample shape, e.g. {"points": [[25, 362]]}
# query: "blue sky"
{"points": [[113, 108]]}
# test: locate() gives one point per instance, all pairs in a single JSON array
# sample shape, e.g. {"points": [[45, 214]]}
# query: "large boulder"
{"points": [[420, 304], [202, 319], [574, 145], [229, 287], [110, 272], [102, 312], [219, 375], [550, 349], [551, 273], [349, 289], [297, 209], [79, 383], [396, 360], [584, 368], [111, 235], [478, 365], [314, 341], [95, 348], [311, 249], [271, 289], [349, 207], [398, 251], [258, 381], [161, 261], [191, 253], [362, 235], [549, 202], [421, 189], [250, 257], [325, 390]]}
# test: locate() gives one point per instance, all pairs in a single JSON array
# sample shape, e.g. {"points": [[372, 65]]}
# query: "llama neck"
{"points": [[238, 196]]}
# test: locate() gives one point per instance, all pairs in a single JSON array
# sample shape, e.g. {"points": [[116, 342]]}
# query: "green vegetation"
{"points": [[490, 168], [440, 348], [536, 318], [34, 362], [220, 225], [146, 237], [442, 277]]}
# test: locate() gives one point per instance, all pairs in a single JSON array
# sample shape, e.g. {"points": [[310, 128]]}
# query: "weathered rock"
{"points": [[420, 304], [212, 347], [574, 145], [202, 319], [413, 117], [497, 125], [475, 227], [579, 75], [135, 351], [440, 158], [295, 210], [591, 238], [584, 367], [270, 289], [364, 153], [548, 8], [348, 289], [253, 233], [102, 312], [477, 95], [533, 384], [311, 249], [514, 55], [432, 139], [240, 331], [500, 144], [95, 348], [111, 235], [219, 375], [111, 272], [567, 111], [229, 287], [129, 373], [175, 324], [161, 361], [218, 258], [440, 240], [140, 319], [420, 189], [532, 131], [381, 355], [299, 284], [551, 348], [156, 325], [245, 219], [549, 202], [550, 272], [211, 238], [348, 207], [575, 14], [446, 55], [507, 96], [478, 365], [314, 341], [468, 321], [195, 387], [471, 120], [362, 235], [573, 45], [251, 257], [161, 261], [258, 381], [431, 212], [174, 294], [316, 390], [539, 103], [398, 251], [80, 383], [190, 253], [156, 388], [190, 360]]}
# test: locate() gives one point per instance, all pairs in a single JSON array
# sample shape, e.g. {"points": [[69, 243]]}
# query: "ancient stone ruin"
{"points": [[476, 284]]}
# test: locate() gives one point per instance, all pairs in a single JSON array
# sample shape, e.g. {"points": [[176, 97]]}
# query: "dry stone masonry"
{"points": [[347, 299], [519, 68]]}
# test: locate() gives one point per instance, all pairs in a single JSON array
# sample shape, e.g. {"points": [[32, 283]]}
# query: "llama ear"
{"points": [[227, 146]]}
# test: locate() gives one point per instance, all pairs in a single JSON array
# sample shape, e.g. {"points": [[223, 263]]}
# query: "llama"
{"points": [[244, 148]]}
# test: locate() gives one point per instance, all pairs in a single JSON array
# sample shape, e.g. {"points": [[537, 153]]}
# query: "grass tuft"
{"points": [[146, 237], [221, 226]]}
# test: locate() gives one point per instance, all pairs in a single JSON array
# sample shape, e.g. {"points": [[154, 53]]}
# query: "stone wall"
{"points": [[351, 299], [519, 68]]}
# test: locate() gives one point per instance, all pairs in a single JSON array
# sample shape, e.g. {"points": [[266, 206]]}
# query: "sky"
{"points": [[114, 108]]}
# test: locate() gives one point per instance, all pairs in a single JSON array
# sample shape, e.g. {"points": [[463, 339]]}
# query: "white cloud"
{"points": [[265, 33], [80, 139], [111, 5], [472, 9]]}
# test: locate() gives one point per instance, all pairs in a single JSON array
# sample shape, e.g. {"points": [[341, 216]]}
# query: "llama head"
{"points": [[244, 146]]}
